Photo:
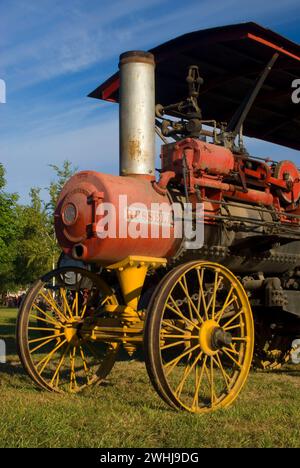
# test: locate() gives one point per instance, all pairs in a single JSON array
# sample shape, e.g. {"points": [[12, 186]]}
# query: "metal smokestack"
{"points": [[137, 113]]}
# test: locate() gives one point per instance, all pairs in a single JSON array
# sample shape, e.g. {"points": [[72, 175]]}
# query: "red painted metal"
{"points": [[212, 171], [86, 191], [273, 46], [287, 173], [110, 89], [200, 157]]}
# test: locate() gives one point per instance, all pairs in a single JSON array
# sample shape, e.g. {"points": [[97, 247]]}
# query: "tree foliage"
{"points": [[28, 246], [62, 175], [9, 233]]}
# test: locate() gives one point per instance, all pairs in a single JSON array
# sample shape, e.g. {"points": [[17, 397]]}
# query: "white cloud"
{"points": [[45, 39], [94, 148], [63, 38]]}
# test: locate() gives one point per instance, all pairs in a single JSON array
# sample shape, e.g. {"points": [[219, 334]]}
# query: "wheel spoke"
{"points": [[212, 301], [105, 300], [209, 375], [47, 358], [232, 358], [191, 304], [56, 373], [173, 363], [231, 350], [67, 308], [85, 366], [198, 384], [41, 345], [36, 317], [75, 305], [226, 304], [83, 311], [167, 324], [172, 345], [42, 329], [213, 394], [177, 311], [226, 377], [187, 372], [50, 319], [53, 336], [186, 336], [201, 297], [184, 286], [52, 303], [233, 327], [73, 381], [225, 326]]}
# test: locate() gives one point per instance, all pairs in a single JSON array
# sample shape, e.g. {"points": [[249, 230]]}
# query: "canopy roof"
{"points": [[230, 59]]}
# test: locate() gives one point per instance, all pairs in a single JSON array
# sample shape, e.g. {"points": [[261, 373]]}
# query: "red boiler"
{"points": [[78, 220]]}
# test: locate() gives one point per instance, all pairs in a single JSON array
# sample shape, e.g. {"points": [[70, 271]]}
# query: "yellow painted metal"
{"points": [[124, 313], [70, 332], [120, 323], [188, 326], [70, 355], [131, 273], [112, 330], [205, 337]]}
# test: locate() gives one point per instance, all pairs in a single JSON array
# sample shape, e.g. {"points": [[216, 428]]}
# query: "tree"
{"points": [[37, 249], [8, 234], [62, 176]]}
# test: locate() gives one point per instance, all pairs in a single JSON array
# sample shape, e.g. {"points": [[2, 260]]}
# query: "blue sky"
{"points": [[54, 52]]}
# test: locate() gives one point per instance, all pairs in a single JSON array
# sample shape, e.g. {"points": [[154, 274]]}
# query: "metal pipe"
{"points": [[137, 114]]}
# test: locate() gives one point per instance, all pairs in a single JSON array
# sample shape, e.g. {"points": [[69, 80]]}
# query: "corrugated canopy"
{"points": [[230, 59]]}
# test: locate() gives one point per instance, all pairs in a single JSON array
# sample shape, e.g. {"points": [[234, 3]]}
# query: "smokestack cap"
{"points": [[136, 56]]}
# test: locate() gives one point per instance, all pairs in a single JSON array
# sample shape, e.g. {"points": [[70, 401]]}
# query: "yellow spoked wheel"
{"points": [[50, 346], [199, 337]]}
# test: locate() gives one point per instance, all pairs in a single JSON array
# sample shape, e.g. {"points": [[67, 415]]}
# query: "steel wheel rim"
{"points": [[201, 362], [59, 360]]}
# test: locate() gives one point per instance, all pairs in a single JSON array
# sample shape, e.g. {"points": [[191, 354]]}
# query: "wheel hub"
{"points": [[70, 332], [221, 338], [212, 337]]}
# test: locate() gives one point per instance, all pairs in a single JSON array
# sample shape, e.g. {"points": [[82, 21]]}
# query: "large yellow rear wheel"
{"points": [[199, 337], [51, 348]]}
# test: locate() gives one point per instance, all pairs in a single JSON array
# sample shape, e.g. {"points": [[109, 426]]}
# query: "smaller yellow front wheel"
{"points": [[199, 337], [51, 348]]}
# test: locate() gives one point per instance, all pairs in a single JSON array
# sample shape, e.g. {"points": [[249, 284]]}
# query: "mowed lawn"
{"points": [[126, 412]]}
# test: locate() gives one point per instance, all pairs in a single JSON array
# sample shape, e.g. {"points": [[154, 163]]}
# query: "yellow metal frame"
{"points": [[132, 273], [125, 323]]}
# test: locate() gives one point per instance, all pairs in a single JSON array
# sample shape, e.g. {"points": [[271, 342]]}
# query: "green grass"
{"points": [[126, 412]]}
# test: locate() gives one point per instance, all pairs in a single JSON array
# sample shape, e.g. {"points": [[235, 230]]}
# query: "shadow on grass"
{"points": [[291, 372], [8, 334]]}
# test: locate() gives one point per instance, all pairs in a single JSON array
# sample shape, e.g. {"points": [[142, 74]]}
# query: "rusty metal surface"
{"points": [[137, 112]]}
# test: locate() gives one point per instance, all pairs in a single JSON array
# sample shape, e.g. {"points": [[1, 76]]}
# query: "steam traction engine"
{"points": [[199, 310]]}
